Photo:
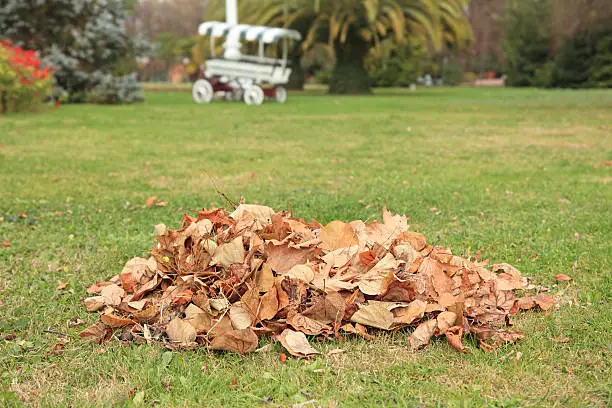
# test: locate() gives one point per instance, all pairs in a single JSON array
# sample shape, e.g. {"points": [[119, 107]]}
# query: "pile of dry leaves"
{"points": [[225, 279]]}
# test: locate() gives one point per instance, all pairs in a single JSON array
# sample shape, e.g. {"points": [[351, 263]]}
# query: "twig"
{"points": [[221, 193], [51, 331]]}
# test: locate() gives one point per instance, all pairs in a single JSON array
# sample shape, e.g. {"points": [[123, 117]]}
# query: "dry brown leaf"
{"points": [[238, 341], [94, 303], [150, 201], [138, 305], [374, 314], [112, 320], [135, 271], [257, 215], [198, 318], [228, 254], [371, 282], [241, 319], [406, 315], [301, 272], [296, 344], [264, 278], [446, 320], [340, 256], [526, 302], [454, 335], [423, 333], [62, 285], [561, 277], [327, 308], [112, 294], [219, 304], [269, 305], [545, 301], [181, 331], [147, 315], [282, 257], [95, 333], [416, 240], [307, 325], [337, 234]]}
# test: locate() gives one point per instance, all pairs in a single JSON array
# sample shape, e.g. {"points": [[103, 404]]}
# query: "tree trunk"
{"points": [[296, 79], [349, 75]]}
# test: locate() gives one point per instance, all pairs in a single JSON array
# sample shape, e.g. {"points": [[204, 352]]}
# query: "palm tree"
{"points": [[351, 28]]}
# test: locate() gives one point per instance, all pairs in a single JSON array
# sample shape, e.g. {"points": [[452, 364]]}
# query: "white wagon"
{"points": [[251, 78]]}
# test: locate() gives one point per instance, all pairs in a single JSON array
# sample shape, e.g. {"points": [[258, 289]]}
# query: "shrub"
{"points": [[24, 83], [393, 64], [601, 66], [584, 61], [452, 74], [527, 46], [83, 40], [111, 89], [322, 76]]}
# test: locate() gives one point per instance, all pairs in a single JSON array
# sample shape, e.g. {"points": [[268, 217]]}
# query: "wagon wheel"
{"points": [[253, 95], [202, 91], [281, 94]]}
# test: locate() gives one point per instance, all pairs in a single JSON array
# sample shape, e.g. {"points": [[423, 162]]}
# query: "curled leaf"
{"points": [[296, 344]]}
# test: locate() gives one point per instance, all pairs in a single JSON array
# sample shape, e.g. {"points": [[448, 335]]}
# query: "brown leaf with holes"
{"points": [[269, 305]]}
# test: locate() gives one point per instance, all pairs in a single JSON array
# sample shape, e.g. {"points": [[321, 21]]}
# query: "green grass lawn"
{"points": [[521, 175]]}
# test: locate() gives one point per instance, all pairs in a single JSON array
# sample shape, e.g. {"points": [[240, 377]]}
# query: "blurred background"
{"points": [[101, 51]]}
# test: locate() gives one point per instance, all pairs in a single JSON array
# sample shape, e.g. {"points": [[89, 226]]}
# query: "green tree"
{"points": [[528, 43]]}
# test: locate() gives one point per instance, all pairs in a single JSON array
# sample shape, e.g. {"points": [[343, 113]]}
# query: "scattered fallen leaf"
{"points": [[454, 335], [62, 285], [94, 303], [150, 201], [296, 343], [6, 244], [561, 277], [545, 301], [112, 320], [95, 333]]}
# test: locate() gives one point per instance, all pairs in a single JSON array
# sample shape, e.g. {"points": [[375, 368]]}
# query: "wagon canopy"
{"points": [[247, 32]]}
